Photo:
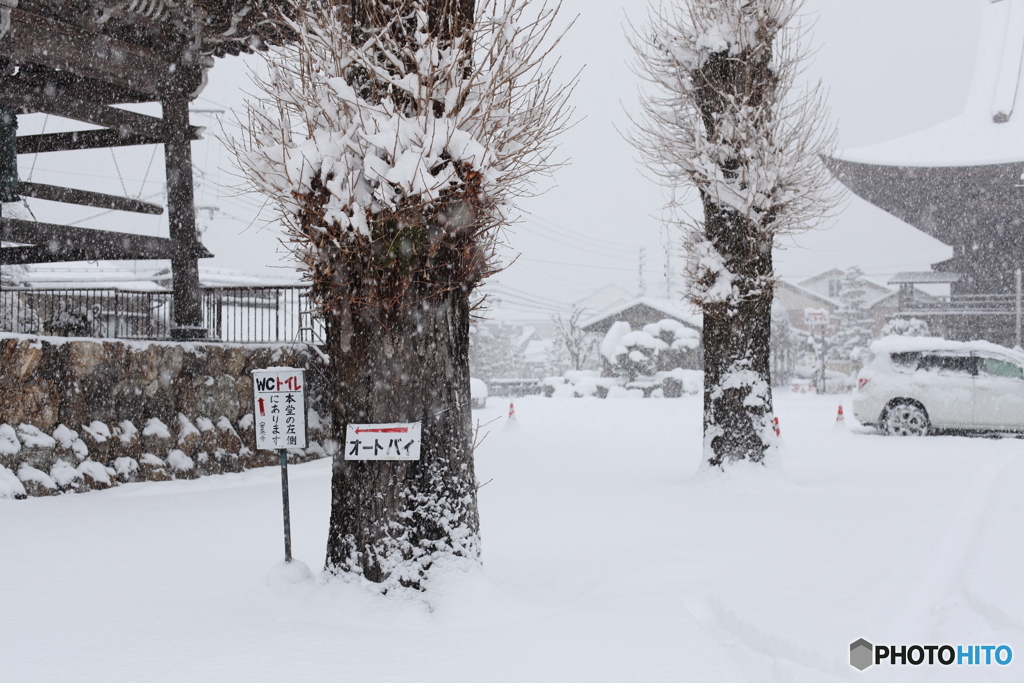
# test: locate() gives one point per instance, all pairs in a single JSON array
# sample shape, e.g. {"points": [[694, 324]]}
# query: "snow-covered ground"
{"points": [[609, 556]]}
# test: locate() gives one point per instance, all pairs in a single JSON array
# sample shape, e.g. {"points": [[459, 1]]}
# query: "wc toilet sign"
{"points": [[280, 408], [392, 441]]}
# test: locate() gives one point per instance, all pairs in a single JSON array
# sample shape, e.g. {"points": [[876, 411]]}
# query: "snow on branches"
{"points": [[385, 142], [723, 118]]}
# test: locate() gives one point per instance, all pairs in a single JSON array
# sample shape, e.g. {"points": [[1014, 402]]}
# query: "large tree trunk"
{"points": [[388, 518], [737, 361]]}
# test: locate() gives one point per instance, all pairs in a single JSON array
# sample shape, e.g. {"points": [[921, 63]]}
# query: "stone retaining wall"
{"points": [[80, 413]]}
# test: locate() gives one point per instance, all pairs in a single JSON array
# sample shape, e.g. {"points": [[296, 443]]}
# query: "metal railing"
{"points": [[230, 314], [962, 304]]}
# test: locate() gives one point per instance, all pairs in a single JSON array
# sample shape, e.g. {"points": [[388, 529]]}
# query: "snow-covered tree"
{"points": [[852, 323], [906, 327], [495, 351], [573, 349], [682, 344], [392, 136], [723, 118], [786, 345]]}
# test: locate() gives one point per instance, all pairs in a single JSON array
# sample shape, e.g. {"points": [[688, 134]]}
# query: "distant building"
{"points": [[640, 312], [824, 292]]}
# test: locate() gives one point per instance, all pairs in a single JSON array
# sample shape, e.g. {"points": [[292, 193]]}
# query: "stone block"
{"points": [[83, 357], [152, 468], [156, 437]]}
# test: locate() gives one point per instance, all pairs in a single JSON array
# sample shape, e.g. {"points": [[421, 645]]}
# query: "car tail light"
{"points": [[861, 381]]}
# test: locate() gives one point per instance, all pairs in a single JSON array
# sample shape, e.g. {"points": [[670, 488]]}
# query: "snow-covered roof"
{"points": [[114, 275], [881, 292], [929, 277], [604, 298], [899, 344], [991, 129], [670, 308]]}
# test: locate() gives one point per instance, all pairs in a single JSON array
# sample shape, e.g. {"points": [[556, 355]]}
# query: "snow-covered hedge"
{"points": [[659, 346], [664, 384]]}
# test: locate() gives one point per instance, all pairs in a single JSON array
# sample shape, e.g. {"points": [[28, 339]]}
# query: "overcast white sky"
{"points": [[891, 66]]}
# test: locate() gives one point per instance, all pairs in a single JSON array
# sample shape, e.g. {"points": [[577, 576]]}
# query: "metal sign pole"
{"points": [[280, 410], [284, 498]]}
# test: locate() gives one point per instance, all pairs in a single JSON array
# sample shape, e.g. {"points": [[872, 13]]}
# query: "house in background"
{"points": [[640, 312], [824, 292], [646, 311]]}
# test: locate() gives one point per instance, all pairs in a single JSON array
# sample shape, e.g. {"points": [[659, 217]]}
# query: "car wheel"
{"points": [[905, 419]]}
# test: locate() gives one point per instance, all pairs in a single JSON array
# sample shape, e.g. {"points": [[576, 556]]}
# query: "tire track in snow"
{"points": [[937, 571], [766, 656]]}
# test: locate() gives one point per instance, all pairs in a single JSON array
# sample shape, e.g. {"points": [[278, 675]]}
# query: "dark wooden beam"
{"points": [[54, 100], [181, 217], [11, 256], [36, 39], [67, 243], [68, 195], [85, 139], [79, 86]]}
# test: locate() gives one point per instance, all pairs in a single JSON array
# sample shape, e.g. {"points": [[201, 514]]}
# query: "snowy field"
{"points": [[609, 556]]}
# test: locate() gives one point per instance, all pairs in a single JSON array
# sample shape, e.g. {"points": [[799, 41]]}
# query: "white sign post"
{"points": [[280, 419], [393, 441]]}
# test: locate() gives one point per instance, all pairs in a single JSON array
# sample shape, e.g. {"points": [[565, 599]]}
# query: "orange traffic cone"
{"points": [[839, 415], [775, 423], [511, 410]]}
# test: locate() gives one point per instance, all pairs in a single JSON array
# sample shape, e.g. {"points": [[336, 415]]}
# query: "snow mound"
{"points": [[10, 485], [9, 444], [286, 576], [27, 473], [95, 471], [97, 430], [152, 460], [127, 431], [125, 467], [154, 427], [185, 428], [64, 474], [32, 437], [179, 461], [68, 438]]}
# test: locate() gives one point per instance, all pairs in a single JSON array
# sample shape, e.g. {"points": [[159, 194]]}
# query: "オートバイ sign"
{"points": [[394, 441]]}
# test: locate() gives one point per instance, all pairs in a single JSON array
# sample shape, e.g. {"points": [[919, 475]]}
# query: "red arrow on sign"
{"points": [[262, 411], [386, 430]]}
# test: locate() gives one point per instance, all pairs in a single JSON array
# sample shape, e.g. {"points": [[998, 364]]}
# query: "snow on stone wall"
{"points": [[77, 414]]}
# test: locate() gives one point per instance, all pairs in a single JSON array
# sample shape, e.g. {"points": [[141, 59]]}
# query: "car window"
{"points": [[948, 364], [906, 361], [1001, 368]]}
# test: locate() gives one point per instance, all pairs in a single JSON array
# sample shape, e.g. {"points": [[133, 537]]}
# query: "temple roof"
{"points": [[991, 128], [948, 203], [965, 175]]}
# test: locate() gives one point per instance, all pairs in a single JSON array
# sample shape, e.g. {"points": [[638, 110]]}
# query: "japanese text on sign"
{"points": [[396, 441], [280, 408], [816, 316]]}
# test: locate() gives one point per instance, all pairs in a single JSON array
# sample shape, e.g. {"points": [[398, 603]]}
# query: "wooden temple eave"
{"points": [[953, 204], [34, 39]]}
